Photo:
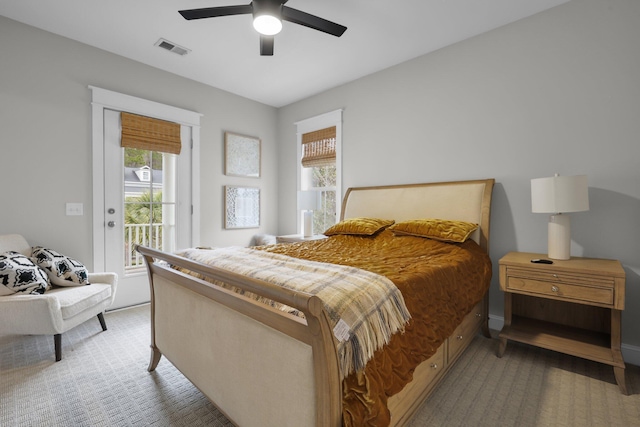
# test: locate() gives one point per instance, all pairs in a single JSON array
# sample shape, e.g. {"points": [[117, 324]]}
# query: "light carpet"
{"points": [[102, 380]]}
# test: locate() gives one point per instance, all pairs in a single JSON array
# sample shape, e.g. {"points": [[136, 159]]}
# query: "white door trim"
{"points": [[106, 99]]}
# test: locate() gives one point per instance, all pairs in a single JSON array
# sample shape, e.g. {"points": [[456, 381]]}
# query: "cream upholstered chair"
{"points": [[58, 309]]}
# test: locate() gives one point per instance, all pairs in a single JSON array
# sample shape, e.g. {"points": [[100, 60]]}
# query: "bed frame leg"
{"points": [[155, 359]]}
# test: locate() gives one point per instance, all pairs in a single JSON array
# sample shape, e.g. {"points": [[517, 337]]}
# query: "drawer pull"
{"points": [[556, 276], [459, 337], [478, 315], [434, 366], [554, 289]]}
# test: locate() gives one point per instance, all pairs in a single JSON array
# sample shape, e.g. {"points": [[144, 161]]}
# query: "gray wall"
{"points": [[557, 92], [45, 118]]}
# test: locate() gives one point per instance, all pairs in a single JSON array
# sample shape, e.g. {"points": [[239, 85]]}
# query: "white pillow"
{"points": [[19, 274], [62, 270]]}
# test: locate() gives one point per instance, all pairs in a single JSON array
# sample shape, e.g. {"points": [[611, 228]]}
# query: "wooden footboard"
{"points": [[234, 349]]}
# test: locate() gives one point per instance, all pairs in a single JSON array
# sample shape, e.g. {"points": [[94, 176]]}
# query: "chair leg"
{"points": [[57, 338], [57, 344], [102, 322]]}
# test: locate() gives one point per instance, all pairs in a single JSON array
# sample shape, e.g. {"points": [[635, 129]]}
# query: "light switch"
{"points": [[75, 209]]}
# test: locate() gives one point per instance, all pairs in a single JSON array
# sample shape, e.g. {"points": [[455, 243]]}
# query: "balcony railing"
{"points": [[140, 234]]}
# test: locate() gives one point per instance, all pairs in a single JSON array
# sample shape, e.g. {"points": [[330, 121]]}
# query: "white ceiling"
{"points": [[225, 50]]}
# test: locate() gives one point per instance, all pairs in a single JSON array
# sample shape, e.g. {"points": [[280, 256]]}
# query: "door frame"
{"points": [[106, 99]]}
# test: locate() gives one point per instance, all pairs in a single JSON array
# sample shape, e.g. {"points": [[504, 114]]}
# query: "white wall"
{"points": [[556, 92], [45, 123]]}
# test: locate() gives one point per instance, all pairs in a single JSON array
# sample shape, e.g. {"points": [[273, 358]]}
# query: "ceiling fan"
{"points": [[267, 19]]}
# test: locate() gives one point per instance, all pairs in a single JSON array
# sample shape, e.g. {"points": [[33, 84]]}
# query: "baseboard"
{"points": [[126, 307], [630, 353]]}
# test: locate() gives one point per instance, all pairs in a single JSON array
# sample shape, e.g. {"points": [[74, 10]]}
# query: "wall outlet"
{"points": [[75, 209]]}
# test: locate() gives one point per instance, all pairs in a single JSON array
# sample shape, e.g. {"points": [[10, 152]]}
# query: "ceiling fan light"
{"points": [[267, 25]]}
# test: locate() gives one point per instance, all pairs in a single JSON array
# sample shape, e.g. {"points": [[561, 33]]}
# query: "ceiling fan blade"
{"points": [[312, 21], [266, 45], [212, 12]]}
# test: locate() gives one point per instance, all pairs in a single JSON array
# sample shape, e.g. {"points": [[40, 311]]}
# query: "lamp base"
{"points": [[308, 224], [559, 245]]}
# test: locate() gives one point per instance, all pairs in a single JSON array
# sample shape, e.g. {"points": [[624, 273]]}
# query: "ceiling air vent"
{"points": [[172, 47]]}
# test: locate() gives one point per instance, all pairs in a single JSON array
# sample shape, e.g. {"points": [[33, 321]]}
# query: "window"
{"points": [[143, 174], [152, 146], [150, 204], [319, 166]]}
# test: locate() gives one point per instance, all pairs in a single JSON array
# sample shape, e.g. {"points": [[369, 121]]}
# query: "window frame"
{"points": [[332, 118]]}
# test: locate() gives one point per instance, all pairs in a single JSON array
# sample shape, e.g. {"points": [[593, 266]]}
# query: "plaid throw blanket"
{"points": [[365, 309]]}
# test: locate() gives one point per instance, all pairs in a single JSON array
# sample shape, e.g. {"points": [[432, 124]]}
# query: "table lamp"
{"points": [[308, 202], [559, 195]]}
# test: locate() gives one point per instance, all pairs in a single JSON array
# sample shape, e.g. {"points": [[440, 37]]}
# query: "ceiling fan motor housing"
{"points": [[267, 16], [267, 7]]}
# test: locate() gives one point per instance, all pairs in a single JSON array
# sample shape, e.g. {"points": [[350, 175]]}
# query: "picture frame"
{"points": [[242, 155], [241, 207]]}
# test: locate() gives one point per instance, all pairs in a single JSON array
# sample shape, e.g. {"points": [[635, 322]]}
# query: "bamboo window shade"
{"points": [[151, 134], [319, 148]]}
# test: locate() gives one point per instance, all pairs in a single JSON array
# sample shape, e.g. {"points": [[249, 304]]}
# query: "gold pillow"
{"points": [[437, 229], [359, 226]]}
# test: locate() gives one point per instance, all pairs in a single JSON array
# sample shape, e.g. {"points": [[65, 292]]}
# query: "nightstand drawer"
{"points": [[561, 290], [561, 277]]}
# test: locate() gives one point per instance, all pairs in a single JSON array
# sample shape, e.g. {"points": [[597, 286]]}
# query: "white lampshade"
{"points": [[307, 200], [558, 195]]}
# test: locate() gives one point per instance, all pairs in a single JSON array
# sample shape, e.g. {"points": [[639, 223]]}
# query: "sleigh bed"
{"points": [[266, 354]]}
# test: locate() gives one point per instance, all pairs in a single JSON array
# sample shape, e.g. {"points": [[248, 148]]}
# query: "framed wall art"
{"points": [[241, 207], [241, 155]]}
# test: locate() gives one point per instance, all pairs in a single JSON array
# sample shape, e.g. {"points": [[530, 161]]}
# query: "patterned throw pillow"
{"points": [[62, 270], [19, 274]]}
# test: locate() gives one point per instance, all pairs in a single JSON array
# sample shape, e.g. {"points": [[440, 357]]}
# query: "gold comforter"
{"points": [[440, 283]]}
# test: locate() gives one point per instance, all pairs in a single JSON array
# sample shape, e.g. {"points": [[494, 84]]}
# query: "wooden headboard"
{"points": [[456, 200]]}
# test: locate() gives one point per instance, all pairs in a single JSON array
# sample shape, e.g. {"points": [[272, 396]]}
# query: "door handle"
{"points": [[111, 224]]}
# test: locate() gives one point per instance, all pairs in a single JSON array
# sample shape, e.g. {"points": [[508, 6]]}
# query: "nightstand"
{"points": [[571, 306], [293, 238]]}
